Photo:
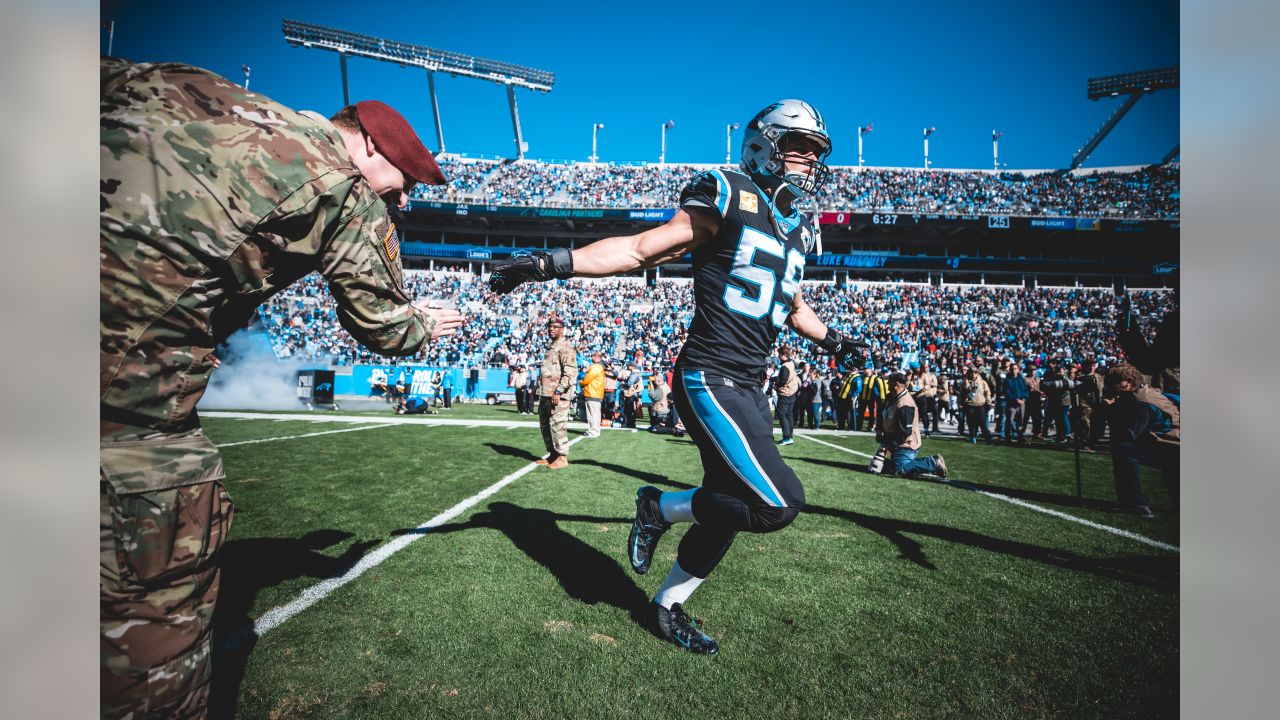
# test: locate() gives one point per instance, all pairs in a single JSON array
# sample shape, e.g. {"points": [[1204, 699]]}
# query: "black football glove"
{"points": [[849, 353], [556, 263]]}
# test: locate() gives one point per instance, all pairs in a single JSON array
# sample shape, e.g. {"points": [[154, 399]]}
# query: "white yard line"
{"points": [[1097, 526], [1023, 503], [278, 616], [441, 420], [307, 435], [806, 436]]}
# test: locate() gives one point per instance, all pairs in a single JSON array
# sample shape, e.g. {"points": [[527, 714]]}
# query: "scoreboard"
{"points": [[993, 222]]}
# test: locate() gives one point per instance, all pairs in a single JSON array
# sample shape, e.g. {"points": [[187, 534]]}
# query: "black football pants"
{"points": [[745, 486]]}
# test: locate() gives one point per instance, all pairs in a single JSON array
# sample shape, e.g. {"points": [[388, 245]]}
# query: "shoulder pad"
{"points": [[710, 189]]}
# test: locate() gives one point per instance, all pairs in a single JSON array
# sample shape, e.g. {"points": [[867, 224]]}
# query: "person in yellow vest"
{"points": [[845, 392], [592, 385], [871, 398], [899, 433]]}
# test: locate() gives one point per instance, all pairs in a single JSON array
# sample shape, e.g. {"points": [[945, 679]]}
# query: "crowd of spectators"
{"points": [[1150, 193], [948, 326], [466, 180]]}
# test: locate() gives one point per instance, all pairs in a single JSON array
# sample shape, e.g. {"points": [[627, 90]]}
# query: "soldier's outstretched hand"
{"points": [[448, 319]]}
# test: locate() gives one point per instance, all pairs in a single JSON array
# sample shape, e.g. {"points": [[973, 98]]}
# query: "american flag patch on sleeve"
{"points": [[392, 243]]}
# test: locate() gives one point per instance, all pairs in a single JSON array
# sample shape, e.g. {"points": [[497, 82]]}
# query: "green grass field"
{"points": [[887, 598]]}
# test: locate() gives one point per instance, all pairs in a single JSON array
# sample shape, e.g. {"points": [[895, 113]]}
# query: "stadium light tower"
{"points": [[728, 144], [245, 69], [594, 128], [863, 130], [927, 132], [430, 59], [995, 149], [110, 27], [1135, 85], [662, 156]]}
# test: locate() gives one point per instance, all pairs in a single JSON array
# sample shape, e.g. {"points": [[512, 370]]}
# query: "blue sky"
{"points": [[966, 68]]}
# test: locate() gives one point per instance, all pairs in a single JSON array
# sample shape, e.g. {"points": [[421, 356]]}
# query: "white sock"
{"points": [[678, 587], [677, 506]]}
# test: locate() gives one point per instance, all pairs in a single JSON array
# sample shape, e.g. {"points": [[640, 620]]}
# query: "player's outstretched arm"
{"points": [[651, 248], [610, 256], [847, 351]]}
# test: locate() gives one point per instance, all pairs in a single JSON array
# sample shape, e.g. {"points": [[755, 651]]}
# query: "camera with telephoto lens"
{"points": [[876, 466]]}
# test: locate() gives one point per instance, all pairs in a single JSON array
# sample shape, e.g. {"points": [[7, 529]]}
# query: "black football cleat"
{"points": [[683, 630], [646, 529]]}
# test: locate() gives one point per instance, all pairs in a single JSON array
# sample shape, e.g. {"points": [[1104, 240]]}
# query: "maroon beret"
{"points": [[398, 143]]}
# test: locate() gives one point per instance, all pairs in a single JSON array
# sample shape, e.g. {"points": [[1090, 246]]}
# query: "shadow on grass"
{"points": [[249, 566], [585, 573], [1157, 572], [512, 451], [641, 475], [1045, 497]]}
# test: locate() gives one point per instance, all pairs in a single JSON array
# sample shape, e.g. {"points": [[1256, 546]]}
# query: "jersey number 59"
{"points": [[765, 279]]}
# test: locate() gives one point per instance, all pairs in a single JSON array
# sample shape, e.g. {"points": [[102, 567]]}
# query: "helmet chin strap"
{"points": [[780, 192], [777, 190], [776, 187], [784, 191]]}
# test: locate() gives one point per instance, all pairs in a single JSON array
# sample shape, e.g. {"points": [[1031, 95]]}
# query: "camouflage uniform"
{"points": [[559, 375], [213, 199]]}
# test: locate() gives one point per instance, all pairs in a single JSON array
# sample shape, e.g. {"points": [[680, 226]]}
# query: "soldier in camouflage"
{"points": [[213, 199], [555, 395]]}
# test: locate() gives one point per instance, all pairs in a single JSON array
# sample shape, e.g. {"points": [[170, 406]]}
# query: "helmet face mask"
{"points": [[787, 131], [812, 155]]}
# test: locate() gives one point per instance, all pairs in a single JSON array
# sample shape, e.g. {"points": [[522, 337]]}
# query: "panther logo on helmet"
{"points": [[772, 133]]}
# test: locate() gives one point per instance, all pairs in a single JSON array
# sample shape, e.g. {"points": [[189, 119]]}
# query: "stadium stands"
{"points": [[627, 319], [1147, 193]]}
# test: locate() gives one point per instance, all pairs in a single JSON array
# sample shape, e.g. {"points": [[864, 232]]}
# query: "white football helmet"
{"points": [[766, 140]]}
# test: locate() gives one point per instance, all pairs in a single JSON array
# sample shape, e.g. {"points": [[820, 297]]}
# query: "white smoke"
{"points": [[252, 378]]}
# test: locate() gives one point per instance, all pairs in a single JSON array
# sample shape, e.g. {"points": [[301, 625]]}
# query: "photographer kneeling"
{"points": [[899, 433]]}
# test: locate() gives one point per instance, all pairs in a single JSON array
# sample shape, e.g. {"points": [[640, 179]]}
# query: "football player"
{"points": [[748, 242]]}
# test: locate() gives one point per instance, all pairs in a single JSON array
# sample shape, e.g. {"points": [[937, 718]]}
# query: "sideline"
{"points": [[278, 616], [314, 434], [1023, 503]]}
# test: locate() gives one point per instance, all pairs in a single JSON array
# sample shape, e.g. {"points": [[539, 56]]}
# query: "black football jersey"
{"points": [[744, 278]]}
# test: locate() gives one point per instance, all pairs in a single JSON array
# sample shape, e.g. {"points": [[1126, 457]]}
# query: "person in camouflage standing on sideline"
{"points": [[213, 199], [555, 395]]}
